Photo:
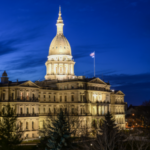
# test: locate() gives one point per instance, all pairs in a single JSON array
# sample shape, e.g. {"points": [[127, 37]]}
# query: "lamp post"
{"points": [[91, 146]]}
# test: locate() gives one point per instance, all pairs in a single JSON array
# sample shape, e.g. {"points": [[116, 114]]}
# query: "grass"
{"points": [[31, 142]]}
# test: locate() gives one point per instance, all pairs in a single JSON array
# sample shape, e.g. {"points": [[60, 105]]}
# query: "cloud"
{"points": [[7, 46]]}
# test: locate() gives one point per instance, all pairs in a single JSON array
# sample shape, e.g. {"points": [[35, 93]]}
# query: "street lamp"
{"points": [[91, 146]]}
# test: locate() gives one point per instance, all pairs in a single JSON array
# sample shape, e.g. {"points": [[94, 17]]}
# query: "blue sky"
{"points": [[118, 32]]}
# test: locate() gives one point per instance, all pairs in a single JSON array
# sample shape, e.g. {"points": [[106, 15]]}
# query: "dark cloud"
{"points": [[26, 62], [136, 87], [13, 43], [7, 46]]}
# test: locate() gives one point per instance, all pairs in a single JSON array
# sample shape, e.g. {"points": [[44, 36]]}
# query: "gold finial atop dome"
{"points": [[59, 45], [59, 23]]}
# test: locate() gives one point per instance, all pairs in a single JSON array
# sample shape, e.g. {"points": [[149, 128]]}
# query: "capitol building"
{"points": [[89, 99]]}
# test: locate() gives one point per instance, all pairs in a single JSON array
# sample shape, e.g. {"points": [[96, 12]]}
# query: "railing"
{"points": [[119, 102], [28, 115], [23, 99], [55, 114], [119, 113]]}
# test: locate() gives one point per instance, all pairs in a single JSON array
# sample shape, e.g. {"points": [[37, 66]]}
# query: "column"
{"points": [[58, 69], [78, 96], [24, 124], [64, 69], [100, 110], [51, 68], [73, 68]]}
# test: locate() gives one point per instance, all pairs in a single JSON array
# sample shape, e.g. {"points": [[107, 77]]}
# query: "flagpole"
{"points": [[94, 63]]}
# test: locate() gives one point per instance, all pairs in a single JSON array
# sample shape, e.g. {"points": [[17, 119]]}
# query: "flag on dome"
{"points": [[92, 54]]}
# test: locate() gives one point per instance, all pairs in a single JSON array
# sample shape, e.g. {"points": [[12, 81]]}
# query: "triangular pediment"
{"points": [[29, 84], [120, 92], [97, 80]]}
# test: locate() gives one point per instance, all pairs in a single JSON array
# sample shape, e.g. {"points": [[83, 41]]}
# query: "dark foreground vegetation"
{"points": [[58, 134]]}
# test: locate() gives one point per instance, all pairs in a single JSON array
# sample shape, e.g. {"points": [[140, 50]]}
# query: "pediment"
{"points": [[120, 92], [29, 84], [97, 80]]}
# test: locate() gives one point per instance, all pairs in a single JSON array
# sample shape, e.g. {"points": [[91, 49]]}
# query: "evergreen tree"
{"points": [[109, 136], [59, 134], [10, 136]]}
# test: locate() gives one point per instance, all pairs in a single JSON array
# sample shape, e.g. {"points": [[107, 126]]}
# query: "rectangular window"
{"points": [[39, 110], [49, 110], [43, 110], [27, 125], [12, 96], [72, 110], [54, 98], [65, 98], [3, 96], [32, 125], [65, 110], [21, 96], [61, 109], [81, 111], [60, 98], [72, 98], [33, 96], [27, 111], [81, 98], [27, 96], [32, 110]]}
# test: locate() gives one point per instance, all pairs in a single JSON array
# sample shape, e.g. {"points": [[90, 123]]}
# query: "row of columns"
{"points": [[67, 69]]}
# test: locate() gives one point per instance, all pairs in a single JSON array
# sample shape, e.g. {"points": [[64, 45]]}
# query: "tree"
{"points": [[109, 137], [59, 134], [10, 135]]}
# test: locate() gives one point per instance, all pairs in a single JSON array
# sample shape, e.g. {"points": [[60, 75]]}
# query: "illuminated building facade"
{"points": [[87, 98]]}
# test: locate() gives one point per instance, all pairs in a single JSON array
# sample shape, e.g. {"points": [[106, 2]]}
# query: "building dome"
{"points": [[59, 46], [4, 74]]}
